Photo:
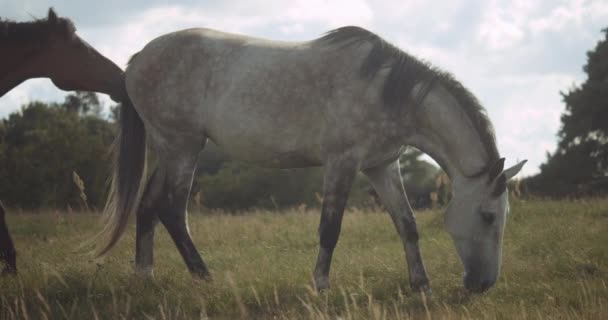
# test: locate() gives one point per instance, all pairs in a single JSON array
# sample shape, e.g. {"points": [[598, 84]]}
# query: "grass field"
{"points": [[555, 266]]}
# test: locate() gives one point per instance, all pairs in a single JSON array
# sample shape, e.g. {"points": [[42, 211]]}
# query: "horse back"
{"points": [[275, 103]]}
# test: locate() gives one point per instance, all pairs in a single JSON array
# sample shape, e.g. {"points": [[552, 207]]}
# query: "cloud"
{"points": [[532, 108]]}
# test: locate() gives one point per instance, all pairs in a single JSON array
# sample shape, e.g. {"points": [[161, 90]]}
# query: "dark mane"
{"points": [[34, 31], [405, 73]]}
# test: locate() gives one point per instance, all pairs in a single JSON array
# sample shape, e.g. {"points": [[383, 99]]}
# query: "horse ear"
{"points": [[496, 169], [500, 186], [511, 172], [52, 15]]}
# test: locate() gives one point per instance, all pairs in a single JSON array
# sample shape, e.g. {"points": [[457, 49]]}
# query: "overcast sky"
{"points": [[516, 56]]}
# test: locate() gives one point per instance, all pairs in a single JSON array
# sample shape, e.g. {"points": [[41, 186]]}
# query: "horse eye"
{"points": [[488, 217]]}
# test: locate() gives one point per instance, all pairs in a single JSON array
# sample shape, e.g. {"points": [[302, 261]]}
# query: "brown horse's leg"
{"points": [[7, 248], [339, 175]]}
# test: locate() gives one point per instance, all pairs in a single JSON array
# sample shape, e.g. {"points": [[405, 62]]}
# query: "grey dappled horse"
{"points": [[348, 101]]}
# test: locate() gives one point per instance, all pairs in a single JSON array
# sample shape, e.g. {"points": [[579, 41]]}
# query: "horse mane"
{"points": [[405, 73], [12, 32]]}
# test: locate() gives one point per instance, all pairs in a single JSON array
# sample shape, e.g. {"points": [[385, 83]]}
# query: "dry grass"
{"points": [[555, 266]]}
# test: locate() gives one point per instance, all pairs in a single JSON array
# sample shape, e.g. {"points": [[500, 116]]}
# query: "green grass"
{"points": [[555, 265]]}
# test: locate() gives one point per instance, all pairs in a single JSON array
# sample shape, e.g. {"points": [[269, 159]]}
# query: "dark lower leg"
{"points": [[147, 218], [409, 235], [336, 186], [144, 241], [175, 222], [387, 183], [179, 233], [329, 231], [7, 249]]}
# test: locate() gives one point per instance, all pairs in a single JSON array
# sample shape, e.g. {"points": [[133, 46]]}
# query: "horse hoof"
{"points": [[422, 288], [202, 276], [8, 271], [321, 283]]}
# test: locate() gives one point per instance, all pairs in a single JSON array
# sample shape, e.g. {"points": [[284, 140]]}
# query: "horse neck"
{"points": [[17, 54], [12, 71], [445, 132], [88, 71]]}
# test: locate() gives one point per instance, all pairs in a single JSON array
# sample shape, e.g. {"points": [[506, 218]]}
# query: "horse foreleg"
{"points": [[339, 176], [7, 248], [387, 182]]}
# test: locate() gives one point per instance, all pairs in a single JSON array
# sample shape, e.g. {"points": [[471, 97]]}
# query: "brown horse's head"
{"points": [[50, 48]]}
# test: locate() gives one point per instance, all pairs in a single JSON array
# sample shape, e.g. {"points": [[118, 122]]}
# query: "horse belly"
{"points": [[268, 116], [266, 135], [268, 145]]}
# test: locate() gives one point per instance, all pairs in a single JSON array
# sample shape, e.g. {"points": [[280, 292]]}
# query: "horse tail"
{"points": [[129, 151]]}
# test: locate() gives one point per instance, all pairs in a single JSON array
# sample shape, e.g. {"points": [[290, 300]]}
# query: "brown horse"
{"points": [[50, 48]]}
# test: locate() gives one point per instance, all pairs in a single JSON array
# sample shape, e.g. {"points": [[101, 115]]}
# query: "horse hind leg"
{"points": [[7, 248], [179, 169], [147, 218]]}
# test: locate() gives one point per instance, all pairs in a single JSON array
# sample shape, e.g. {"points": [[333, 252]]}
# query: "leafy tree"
{"points": [[580, 164], [42, 146], [418, 177], [83, 103]]}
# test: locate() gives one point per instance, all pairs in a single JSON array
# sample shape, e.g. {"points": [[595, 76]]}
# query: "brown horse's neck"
{"points": [[15, 55], [86, 70], [14, 68]]}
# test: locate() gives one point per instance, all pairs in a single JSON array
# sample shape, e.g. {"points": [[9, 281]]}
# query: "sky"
{"points": [[515, 56]]}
